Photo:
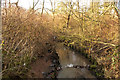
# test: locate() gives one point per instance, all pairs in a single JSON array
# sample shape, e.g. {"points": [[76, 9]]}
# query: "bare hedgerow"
{"points": [[24, 34]]}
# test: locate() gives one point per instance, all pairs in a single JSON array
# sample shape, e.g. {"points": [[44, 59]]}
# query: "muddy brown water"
{"points": [[70, 57]]}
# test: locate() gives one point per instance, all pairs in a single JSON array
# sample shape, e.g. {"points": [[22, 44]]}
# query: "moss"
{"points": [[61, 38], [93, 66]]}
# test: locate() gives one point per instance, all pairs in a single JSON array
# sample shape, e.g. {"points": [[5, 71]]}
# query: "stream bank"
{"points": [[102, 56], [45, 66], [73, 64], [61, 62]]}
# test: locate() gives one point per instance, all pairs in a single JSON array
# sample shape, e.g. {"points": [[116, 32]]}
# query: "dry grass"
{"points": [[25, 34], [97, 31]]}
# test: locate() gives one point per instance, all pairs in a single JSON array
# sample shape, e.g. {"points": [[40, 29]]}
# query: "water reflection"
{"points": [[68, 57]]}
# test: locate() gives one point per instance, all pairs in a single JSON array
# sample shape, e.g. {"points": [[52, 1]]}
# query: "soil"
{"points": [[39, 66], [45, 66]]}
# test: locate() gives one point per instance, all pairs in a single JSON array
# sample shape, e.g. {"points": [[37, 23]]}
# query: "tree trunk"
{"points": [[5, 3], [33, 5], [9, 4], [69, 15], [43, 7], [118, 5]]}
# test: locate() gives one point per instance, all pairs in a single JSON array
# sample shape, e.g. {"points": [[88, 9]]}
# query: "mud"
{"points": [[45, 66]]}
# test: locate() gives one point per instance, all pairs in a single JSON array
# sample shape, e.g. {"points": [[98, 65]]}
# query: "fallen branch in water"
{"points": [[79, 66]]}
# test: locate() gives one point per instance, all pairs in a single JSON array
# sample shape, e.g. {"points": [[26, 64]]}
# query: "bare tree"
{"points": [[54, 11], [9, 4], [16, 3], [5, 3], [43, 7], [69, 15], [118, 12], [34, 4], [5, 8], [53, 8], [92, 6], [78, 5]]}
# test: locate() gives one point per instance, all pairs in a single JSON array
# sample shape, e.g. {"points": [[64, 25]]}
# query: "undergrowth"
{"points": [[98, 37], [25, 34]]}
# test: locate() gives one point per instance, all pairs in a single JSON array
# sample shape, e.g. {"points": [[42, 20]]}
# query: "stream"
{"points": [[67, 59]]}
